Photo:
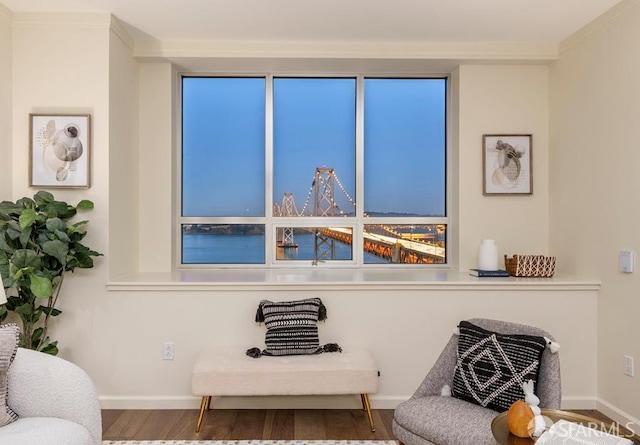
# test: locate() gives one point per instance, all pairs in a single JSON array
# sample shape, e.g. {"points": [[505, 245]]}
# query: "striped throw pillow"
{"points": [[291, 326], [9, 334]]}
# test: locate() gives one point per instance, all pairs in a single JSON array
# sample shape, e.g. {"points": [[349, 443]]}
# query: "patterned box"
{"points": [[530, 265]]}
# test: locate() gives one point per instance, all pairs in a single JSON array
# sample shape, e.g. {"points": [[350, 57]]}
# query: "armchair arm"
{"points": [[42, 385]]}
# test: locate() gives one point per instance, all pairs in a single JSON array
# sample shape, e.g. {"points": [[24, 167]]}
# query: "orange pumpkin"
{"points": [[518, 418]]}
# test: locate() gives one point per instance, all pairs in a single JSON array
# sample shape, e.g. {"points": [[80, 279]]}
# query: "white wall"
{"points": [[6, 65], [124, 154], [594, 181], [495, 99], [117, 335], [61, 64], [405, 330], [156, 173]]}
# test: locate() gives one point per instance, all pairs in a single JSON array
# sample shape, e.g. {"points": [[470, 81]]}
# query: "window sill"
{"points": [[355, 279]]}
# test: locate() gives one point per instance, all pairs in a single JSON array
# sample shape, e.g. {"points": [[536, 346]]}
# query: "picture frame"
{"points": [[507, 164], [59, 150]]}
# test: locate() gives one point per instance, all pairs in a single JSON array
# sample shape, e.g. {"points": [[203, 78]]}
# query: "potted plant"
{"points": [[38, 245]]}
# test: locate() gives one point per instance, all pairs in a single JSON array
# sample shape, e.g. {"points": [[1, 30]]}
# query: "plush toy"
{"points": [[524, 417]]}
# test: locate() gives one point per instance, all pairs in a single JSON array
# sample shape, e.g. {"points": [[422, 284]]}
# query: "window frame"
{"points": [[271, 222]]}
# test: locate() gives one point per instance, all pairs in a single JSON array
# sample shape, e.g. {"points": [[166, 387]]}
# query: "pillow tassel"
{"points": [[259, 313], [445, 391], [322, 312], [553, 346], [331, 347], [254, 352]]}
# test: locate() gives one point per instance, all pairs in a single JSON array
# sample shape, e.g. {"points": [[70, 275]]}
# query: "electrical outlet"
{"points": [[628, 365], [168, 350]]}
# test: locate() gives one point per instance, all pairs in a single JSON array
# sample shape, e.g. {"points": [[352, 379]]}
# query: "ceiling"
{"points": [[339, 20]]}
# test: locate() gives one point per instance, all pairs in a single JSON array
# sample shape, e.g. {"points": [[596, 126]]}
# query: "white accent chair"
{"points": [[55, 400]]}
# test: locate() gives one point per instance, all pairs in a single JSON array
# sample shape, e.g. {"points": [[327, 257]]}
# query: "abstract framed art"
{"points": [[59, 150], [507, 164]]}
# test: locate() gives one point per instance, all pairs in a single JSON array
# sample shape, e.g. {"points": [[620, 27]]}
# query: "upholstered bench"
{"points": [[228, 371]]}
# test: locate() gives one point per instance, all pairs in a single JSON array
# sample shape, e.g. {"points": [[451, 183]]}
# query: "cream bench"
{"points": [[228, 371]]}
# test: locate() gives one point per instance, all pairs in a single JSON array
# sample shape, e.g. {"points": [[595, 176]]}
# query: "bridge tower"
{"points": [[324, 205], [324, 192], [288, 208]]}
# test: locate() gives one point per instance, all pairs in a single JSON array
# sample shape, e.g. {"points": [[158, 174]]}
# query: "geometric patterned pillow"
{"points": [[9, 334], [491, 366], [291, 326]]}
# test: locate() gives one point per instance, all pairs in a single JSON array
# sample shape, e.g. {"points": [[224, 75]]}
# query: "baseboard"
{"points": [[288, 402], [304, 402], [578, 402], [617, 415]]}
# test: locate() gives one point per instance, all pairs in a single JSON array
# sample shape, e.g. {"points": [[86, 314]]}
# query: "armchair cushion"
{"points": [[492, 366], [443, 420], [9, 334]]}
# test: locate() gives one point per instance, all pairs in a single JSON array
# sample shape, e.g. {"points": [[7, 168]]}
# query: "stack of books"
{"points": [[488, 273]]}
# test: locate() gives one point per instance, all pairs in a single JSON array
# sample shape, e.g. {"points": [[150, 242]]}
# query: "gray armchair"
{"points": [[428, 418]]}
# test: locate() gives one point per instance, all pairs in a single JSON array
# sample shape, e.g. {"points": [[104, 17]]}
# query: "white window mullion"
{"points": [[270, 255], [358, 253]]}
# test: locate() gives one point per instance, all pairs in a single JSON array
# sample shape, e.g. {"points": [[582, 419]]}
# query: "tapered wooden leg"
{"points": [[367, 406], [364, 407], [205, 403]]}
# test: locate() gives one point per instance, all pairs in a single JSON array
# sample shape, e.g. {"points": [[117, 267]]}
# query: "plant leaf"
{"points": [[55, 223], [25, 235], [27, 218], [62, 236], [85, 204], [23, 258], [51, 311], [42, 198], [57, 249], [59, 209], [40, 286], [24, 310], [48, 347]]}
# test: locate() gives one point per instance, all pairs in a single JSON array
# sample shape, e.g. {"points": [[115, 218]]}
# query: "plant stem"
{"points": [[51, 303]]}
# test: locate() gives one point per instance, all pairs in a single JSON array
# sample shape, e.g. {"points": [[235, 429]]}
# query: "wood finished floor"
{"points": [[253, 424]]}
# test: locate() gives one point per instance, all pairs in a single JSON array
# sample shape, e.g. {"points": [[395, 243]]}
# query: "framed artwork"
{"points": [[59, 150], [507, 164]]}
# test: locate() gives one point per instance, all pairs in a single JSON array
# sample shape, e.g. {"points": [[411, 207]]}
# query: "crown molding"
{"points": [[74, 19], [603, 21], [472, 51], [120, 31]]}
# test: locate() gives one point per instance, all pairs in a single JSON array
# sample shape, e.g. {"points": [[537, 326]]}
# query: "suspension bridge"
{"points": [[382, 240]]}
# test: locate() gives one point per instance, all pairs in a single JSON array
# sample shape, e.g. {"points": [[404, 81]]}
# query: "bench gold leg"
{"points": [[364, 407], [367, 406], [205, 403]]}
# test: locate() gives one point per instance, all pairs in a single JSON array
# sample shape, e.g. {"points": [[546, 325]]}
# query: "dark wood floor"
{"points": [[254, 424]]}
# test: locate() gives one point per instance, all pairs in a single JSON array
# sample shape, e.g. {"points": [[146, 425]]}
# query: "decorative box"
{"points": [[530, 265]]}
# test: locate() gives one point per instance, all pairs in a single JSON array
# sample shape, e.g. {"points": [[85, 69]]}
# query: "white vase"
{"points": [[488, 255]]}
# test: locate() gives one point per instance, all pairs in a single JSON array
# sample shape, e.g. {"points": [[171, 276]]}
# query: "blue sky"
{"points": [[314, 126]]}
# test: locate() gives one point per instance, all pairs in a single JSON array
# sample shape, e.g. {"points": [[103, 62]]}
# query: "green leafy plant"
{"points": [[38, 245]]}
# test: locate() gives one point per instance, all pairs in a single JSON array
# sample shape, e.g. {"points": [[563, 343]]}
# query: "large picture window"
{"points": [[280, 170]]}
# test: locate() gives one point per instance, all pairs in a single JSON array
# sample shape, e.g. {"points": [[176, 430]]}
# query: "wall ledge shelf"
{"points": [[343, 279]]}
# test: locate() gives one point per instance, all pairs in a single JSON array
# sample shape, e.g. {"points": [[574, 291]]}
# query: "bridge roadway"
{"points": [[393, 249]]}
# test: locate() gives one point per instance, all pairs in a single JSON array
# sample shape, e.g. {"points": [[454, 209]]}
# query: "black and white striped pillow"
{"points": [[9, 334], [291, 326]]}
